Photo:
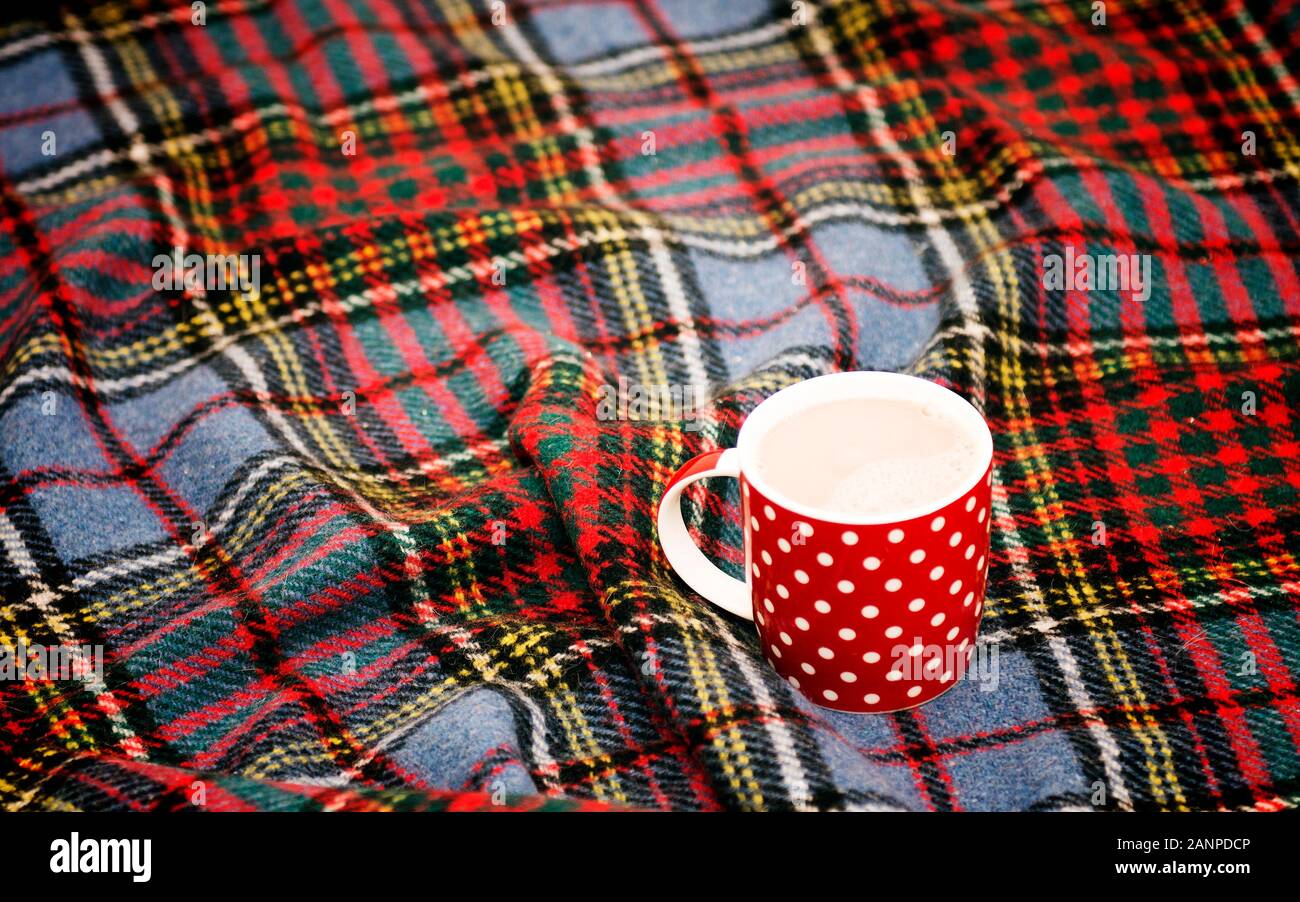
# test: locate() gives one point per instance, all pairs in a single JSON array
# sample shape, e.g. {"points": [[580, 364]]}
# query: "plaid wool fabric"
{"points": [[357, 537]]}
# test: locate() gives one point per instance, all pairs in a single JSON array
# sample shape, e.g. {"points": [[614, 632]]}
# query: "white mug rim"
{"points": [[874, 384]]}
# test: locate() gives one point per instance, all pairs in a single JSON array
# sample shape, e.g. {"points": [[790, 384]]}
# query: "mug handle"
{"points": [[697, 571]]}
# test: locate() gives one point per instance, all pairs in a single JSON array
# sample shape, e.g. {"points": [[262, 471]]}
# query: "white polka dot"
{"points": [[970, 551], [849, 676], [965, 602], [847, 634], [801, 577], [936, 573], [776, 652], [895, 536], [955, 587], [893, 585], [849, 537], [937, 619], [745, 486], [984, 512], [964, 643], [825, 652], [801, 623], [871, 657], [870, 611], [808, 668], [767, 558], [844, 586], [894, 676], [916, 604], [894, 632], [782, 591], [970, 504], [952, 634], [979, 565], [831, 694], [914, 691], [947, 675], [979, 608], [758, 616], [822, 606], [955, 540], [785, 637], [754, 568], [916, 649], [768, 512], [805, 528], [933, 664], [793, 681], [825, 559], [753, 521], [936, 524], [783, 545], [767, 603], [871, 698], [916, 556], [871, 563]]}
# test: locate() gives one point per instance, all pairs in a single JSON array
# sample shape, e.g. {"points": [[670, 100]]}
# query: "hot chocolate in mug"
{"points": [[865, 498]]}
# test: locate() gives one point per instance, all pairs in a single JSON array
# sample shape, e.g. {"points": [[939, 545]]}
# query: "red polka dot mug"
{"points": [[859, 613]]}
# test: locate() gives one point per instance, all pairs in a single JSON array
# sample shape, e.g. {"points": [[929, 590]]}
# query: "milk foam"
{"points": [[891, 484], [868, 457]]}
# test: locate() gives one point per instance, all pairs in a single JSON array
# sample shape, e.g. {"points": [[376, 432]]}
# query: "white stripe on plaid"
{"points": [[42, 599]]}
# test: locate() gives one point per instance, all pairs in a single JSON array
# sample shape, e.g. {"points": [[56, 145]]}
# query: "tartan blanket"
{"points": [[350, 528]]}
